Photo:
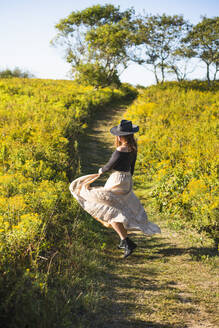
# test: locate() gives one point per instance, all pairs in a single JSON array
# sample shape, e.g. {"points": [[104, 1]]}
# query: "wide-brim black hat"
{"points": [[124, 128]]}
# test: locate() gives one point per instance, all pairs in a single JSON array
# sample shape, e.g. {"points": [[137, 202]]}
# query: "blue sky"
{"points": [[27, 26]]}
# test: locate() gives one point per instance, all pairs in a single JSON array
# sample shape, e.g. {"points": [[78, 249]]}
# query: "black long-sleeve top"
{"points": [[121, 161]]}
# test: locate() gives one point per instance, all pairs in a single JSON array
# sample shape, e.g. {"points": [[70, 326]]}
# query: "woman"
{"points": [[115, 205]]}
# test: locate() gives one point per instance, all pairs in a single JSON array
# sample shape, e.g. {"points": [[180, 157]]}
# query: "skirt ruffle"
{"points": [[115, 202]]}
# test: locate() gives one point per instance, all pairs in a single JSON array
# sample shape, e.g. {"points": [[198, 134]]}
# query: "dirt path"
{"points": [[170, 281]]}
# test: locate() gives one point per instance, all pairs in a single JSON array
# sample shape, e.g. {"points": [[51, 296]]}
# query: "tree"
{"points": [[158, 39], [203, 42], [94, 74], [98, 37]]}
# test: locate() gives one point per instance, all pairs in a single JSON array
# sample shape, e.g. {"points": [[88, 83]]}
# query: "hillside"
{"points": [[60, 267]]}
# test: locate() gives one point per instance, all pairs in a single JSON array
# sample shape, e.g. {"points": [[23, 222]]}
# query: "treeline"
{"points": [[178, 146], [16, 72], [47, 270], [101, 41]]}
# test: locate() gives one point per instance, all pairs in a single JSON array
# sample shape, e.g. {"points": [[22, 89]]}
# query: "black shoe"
{"points": [[122, 244], [129, 247]]}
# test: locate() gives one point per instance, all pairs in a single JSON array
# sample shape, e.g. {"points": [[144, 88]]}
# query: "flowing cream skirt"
{"points": [[115, 202]]}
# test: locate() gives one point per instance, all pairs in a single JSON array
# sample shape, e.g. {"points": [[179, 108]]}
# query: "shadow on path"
{"points": [[195, 252]]}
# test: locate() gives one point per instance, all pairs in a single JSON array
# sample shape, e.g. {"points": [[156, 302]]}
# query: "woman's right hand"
{"points": [[100, 171]]}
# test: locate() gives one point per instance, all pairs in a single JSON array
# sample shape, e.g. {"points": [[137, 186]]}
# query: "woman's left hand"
{"points": [[100, 171]]}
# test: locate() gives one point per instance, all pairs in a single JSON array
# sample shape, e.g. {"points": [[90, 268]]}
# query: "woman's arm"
{"points": [[111, 163], [133, 164]]}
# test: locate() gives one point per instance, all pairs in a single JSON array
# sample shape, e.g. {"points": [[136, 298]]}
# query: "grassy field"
{"points": [[49, 249], [178, 143], [78, 277]]}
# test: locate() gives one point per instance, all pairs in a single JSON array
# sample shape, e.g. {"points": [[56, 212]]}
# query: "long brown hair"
{"points": [[129, 141]]}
